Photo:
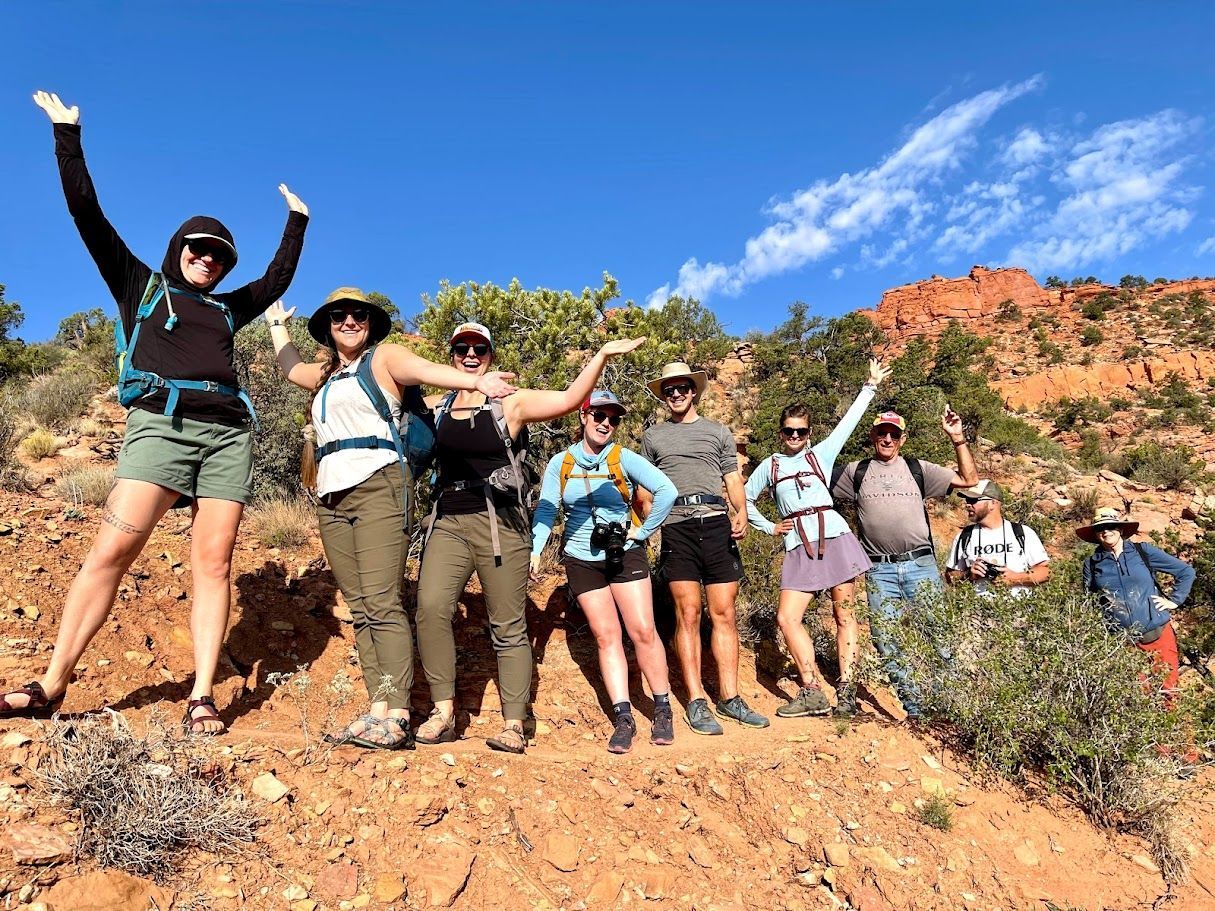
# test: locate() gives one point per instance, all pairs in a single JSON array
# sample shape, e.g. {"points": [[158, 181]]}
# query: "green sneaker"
{"points": [[701, 720], [737, 710], [808, 701], [845, 700]]}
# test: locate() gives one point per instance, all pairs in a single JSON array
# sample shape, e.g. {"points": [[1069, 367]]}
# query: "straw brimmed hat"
{"points": [[678, 370], [379, 322], [1106, 517]]}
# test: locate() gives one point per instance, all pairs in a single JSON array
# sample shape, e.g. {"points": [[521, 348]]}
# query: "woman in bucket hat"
{"points": [[480, 524], [188, 438], [594, 481], [361, 484], [1122, 574], [821, 552]]}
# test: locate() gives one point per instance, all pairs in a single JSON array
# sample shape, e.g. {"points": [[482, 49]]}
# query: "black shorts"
{"points": [[588, 576], [700, 550]]}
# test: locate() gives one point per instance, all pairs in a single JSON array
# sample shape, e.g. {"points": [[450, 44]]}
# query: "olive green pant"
{"points": [[362, 530], [458, 546]]}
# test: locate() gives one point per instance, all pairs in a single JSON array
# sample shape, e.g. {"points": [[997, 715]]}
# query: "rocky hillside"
{"points": [[809, 814]]}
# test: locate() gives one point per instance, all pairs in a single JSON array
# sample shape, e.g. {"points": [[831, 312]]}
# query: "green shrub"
{"points": [[1068, 413], [1091, 454], [82, 485], [40, 444], [55, 400], [936, 812], [1039, 685], [1051, 352], [1091, 336], [12, 473], [1008, 312], [1093, 309], [1150, 463]]}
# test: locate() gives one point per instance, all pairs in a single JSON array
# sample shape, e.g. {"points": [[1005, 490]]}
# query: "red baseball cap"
{"points": [[892, 418]]}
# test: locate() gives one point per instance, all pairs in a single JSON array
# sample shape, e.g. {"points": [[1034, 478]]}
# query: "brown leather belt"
{"points": [[822, 527]]}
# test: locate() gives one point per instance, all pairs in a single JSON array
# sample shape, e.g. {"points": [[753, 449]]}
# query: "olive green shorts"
{"points": [[195, 458]]}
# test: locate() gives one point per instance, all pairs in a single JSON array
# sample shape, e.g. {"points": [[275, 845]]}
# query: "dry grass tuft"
{"points": [[282, 522], [40, 444], [82, 485], [142, 801]]}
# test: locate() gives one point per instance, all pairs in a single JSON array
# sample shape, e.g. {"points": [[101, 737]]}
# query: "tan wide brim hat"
{"points": [[380, 323], [1106, 518], [678, 370]]}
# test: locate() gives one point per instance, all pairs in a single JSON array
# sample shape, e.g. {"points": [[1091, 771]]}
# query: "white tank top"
{"points": [[349, 414]]}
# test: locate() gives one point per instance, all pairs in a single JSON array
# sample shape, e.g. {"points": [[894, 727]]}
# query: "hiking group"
{"points": [[188, 442]]}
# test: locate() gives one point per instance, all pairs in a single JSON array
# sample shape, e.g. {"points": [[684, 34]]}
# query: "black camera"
{"points": [[610, 537], [994, 571]]}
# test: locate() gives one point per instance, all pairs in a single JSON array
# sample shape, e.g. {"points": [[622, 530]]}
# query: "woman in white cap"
{"points": [[821, 552], [480, 524], [1122, 574], [605, 556], [361, 477], [188, 438]]}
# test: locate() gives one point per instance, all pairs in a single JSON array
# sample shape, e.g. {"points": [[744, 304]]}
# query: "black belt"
{"points": [[475, 484], [924, 551], [700, 499]]}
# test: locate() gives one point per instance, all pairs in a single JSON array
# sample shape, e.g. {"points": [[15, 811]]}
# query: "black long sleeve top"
{"points": [[200, 347]]}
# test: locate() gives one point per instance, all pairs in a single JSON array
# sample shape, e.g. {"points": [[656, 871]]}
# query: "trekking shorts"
{"points": [[700, 550], [591, 575], [194, 458]]}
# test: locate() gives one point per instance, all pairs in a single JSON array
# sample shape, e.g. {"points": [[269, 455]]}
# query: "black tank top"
{"points": [[468, 451]]}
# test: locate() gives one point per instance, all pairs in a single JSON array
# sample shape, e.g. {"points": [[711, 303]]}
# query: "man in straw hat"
{"points": [[698, 541], [1122, 573]]}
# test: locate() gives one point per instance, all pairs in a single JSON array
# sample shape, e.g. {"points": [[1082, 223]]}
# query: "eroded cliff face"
{"points": [[1103, 380]]}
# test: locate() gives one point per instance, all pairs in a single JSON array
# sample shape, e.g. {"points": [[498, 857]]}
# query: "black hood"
{"points": [[198, 224]]}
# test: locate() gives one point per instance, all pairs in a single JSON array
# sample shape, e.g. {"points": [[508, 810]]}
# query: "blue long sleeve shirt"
{"points": [[609, 505], [1125, 584], [790, 496]]}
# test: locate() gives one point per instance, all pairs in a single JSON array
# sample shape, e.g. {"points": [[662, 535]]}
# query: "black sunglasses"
{"points": [[338, 316], [893, 434], [218, 253], [973, 500], [610, 416], [676, 389], [480, 349], [790, 432]]}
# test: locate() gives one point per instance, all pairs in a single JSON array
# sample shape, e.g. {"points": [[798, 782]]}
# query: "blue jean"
{"points": [[890, 587]]}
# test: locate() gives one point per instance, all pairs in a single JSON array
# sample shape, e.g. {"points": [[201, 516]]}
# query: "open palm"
{"points": [[56, 109]]}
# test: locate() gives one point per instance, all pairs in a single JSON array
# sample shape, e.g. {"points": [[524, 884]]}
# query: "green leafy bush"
{"points": [[1068, 413], [1150, 463], [1091, 336]]}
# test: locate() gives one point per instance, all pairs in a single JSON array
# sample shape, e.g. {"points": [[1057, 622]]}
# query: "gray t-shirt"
{"points": [[696, 456], [889, 509]]}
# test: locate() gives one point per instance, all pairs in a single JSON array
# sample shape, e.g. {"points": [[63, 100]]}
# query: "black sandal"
{"points": [[506, 742], [397, 735], [39, 705], [193, 725]]}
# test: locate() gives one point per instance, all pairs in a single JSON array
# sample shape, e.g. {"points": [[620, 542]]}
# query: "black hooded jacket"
{"points": [[200, 345]]}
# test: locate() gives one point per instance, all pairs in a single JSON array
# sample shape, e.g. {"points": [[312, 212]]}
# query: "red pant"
{"points": [[1164, 658]]}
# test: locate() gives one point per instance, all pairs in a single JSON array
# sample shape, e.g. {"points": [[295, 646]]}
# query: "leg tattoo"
{"points": [[112, 517]]}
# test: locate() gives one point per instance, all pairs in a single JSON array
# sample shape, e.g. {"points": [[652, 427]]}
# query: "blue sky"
{"points": [[747, 154]]}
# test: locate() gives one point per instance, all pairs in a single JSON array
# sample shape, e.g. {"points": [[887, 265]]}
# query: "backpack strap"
{"points": [[1019, 534], [858, 476], [615, 471], [964, 538], [1143, 556], [567, 469], [917, 475]]}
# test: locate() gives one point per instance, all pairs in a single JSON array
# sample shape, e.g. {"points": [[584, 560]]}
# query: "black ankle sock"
{"points": [[662, 699], [622, 708]]}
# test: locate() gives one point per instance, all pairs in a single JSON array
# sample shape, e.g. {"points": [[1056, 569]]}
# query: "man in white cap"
{"points": [[698, 541], [993, 552], [892, 521]]}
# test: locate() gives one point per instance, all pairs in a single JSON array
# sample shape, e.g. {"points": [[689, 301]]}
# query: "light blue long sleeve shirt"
{"points": [[790, 496], [609, 505]]}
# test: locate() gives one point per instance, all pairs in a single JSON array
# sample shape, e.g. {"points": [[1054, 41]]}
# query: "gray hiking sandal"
{"points": [[809, 700], [736, 709]]}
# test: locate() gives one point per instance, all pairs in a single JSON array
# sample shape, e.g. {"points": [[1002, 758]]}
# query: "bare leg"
{"points": [[721, 597], [636, 603], [213, 537], [600, 610], [131, 512], [847, 632], [789, 616], [687, 635]]}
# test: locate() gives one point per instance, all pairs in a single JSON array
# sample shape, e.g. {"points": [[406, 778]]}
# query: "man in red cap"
{"points": [[889, 491]]}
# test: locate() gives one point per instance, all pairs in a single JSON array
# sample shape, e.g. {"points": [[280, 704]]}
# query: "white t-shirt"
{"points": [[998, 546]]}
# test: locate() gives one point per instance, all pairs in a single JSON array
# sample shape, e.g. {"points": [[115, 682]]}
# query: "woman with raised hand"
{"points": [[605, 557], [188, 437], [480, 524], [360, 474], [821, 552]]}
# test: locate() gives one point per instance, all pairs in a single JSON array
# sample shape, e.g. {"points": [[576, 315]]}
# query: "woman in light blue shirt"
{"points": [[821, 552], [605, 556]]}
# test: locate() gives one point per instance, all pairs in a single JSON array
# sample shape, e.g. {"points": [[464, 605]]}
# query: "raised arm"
{"points": [[531, 406], [967, 474], [409, 369], [123, 273], [829, 449], [248, 301], [295, 368]]}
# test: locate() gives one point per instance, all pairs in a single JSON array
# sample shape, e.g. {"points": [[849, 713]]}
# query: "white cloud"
{"points": [[1122, 187], [1028, 147], [1207, 246], [828, 215]]}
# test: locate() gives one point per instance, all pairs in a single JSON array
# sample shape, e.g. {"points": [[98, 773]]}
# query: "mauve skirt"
{"points": [[843, 560]]}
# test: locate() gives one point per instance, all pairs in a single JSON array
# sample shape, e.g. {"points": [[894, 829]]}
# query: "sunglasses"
{"points": [[480, 349], [610, 416], [790, 432], [893, 434], [219, 254], [973, 500], [676, 389], [337, 317]]}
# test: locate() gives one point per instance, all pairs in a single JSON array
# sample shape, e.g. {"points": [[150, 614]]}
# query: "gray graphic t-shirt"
{"points": [[696, 456], [889, 509]]}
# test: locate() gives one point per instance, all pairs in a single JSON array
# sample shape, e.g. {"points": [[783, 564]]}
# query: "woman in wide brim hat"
{"points": [[678, 370], [361, 482], [1106, 518]]}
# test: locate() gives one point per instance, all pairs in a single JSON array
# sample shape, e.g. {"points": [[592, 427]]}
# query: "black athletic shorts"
{"points": [[588, 576], [700, 550]]}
